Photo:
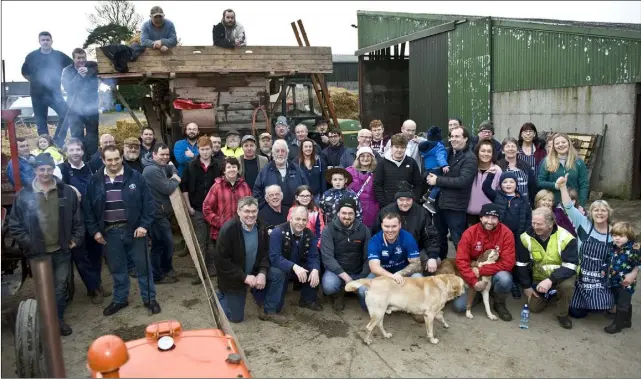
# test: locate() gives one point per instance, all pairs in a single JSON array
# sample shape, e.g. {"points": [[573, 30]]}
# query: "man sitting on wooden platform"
{"points": [[158, 32], [229, 33]]}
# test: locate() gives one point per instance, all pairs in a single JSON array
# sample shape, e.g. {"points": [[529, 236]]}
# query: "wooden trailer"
{"points": [[235, 81]]}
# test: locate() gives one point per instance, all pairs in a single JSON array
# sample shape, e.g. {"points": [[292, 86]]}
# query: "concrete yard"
{"points": [[325, 344]]}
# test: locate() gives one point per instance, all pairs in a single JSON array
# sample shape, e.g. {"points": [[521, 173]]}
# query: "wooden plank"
{"points": [[222, 82], [279, 70]]}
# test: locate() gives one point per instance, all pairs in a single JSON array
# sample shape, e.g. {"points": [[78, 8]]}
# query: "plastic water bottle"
{"points": [[525, 317]]}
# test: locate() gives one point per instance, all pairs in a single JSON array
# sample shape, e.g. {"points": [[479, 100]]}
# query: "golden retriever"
{"points": [[420, 296], [448, 266]]}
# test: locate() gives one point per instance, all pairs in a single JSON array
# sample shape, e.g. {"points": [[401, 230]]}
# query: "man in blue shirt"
{"points": [[25, 159], [158, 32], [293, 254], [393, 252], [186, 149]]}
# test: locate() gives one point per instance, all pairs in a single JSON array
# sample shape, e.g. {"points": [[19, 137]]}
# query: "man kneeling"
{"points": [[293, 253], [242, 260], [344, 250], [392, 252]]}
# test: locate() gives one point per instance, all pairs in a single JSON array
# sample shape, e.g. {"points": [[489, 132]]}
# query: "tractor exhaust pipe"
{"points": [[42, 270]]}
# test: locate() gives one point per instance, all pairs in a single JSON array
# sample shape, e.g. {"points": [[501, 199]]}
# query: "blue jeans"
{"points": [[363, 290], [455, 222], [120, 244], [501, 283], [162, 247], [61, 265], [41, 104], [81, 124], [233, 303], [434, 191], [277, 281], [332, 283], [88, 260]]}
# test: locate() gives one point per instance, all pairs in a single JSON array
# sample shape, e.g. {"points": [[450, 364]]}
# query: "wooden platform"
{"points": [[211, 59]]}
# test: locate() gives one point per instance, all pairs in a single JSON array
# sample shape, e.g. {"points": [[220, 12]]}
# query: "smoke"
{"points": [[105, 96]]}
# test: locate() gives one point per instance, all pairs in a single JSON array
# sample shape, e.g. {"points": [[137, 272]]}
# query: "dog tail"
{"points": [[354, 285]]}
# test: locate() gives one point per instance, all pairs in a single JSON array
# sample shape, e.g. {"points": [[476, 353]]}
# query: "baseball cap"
{"points": [[131, 141], [265, 135], [246, 138], [232, 132], [281, 120], [156, 11], [489, 209]]}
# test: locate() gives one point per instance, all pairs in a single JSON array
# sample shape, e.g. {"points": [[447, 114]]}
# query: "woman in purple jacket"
{"points": [[362, 172]]}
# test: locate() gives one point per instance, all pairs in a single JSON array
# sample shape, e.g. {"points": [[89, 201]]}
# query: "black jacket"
{"points": [[197, 182], [418, 221], [136, 165], [569, 255], [229, 257], [24, 226], [388, 175], [456, 185], [516, 214], [140, 206], [220, 38], [345, 250], [531, 176], [333, 154]]}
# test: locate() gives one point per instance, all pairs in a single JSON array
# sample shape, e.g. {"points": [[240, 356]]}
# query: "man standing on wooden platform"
{"points": [[158, 32], [229, 33]]}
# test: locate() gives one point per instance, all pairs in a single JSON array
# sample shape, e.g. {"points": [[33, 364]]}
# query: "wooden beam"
{"points": [[124, 102], [442, 28]]}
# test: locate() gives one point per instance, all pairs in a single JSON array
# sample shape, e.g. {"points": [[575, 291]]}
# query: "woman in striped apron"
{"points": [[531, 149], [593, 237]]}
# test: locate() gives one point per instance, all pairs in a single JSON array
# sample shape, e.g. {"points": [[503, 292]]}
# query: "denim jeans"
{"points": [[41, 104], [501, 283], [277, 281], [85, 128], [233, 303], [88, 260], [434, 191], [61, 265], [201, 228], [455, 222], [332, 283], [162, 247], [363, 290], [120, 244]]}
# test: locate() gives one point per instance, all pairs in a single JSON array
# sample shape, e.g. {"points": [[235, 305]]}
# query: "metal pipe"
{"points": [[4, 87], [8, 116], [42, 270]]}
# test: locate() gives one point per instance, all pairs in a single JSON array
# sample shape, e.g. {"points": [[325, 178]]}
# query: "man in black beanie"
{"points": [[45, 221], [344, 252]]}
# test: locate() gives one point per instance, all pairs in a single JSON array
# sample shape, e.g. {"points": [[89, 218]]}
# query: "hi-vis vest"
{"points": [[546, 261]]}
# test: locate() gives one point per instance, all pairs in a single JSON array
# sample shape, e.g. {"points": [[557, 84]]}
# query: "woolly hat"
{"points": [[44, 159], [404, 190], [508, 175], [434, 134], [364, 150], [349, 203], [489, 209]]}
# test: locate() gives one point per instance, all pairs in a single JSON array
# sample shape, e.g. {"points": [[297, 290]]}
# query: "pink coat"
{"points": [[477, 197], [367, 197]]}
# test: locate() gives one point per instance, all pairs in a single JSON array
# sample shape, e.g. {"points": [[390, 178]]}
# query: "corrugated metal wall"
{"points": [[534, 59], [343, 72], [469, 73], [375, 28], [428, 81]]}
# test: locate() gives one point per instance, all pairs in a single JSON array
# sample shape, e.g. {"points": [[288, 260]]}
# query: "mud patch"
{"points": [[130, 333], [190, 303], [328, 328]]}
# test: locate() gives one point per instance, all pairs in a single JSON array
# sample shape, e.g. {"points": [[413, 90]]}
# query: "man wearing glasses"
{"points": [[158, 32], [486, 132], [364, 139]]}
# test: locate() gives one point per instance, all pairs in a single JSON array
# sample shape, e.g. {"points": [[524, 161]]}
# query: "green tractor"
{"points": [[294, 98]]}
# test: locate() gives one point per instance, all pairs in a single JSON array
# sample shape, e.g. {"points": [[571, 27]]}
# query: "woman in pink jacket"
{"points": [[362, 172]]}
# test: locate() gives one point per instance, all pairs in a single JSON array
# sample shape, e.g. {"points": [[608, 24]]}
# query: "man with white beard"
{"points": [[132, 154]]}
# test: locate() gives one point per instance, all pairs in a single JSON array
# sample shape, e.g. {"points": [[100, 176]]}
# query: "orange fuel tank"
{"points": [[167, 351]]}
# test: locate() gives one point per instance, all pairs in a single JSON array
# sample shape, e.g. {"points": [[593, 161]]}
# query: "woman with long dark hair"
{"points": [[313, 167], [531, 148], [484, 151]]}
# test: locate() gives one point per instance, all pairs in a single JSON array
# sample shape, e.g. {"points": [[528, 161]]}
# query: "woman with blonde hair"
{"points": [[594, 241], [563, 160]]}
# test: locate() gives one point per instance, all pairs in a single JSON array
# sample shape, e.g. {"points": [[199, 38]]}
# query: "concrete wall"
{"points": [[579, 110]]}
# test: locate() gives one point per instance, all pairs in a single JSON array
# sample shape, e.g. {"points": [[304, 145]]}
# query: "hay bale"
{"points": [[345, 103]]}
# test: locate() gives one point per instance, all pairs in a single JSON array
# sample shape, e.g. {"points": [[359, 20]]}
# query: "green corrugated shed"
{"points": [[490, 54]]}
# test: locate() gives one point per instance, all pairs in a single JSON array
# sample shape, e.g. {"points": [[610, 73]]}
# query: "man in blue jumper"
{"points": [[25, 163], [393, 252], [293, 253], [186, 149], [158, 32]]}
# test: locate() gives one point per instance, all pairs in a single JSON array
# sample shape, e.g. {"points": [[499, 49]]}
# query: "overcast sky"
{"points": [[268, 23]]}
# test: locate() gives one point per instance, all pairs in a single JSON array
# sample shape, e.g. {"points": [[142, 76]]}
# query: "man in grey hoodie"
{"points": [[158, 32], [162, 183]]}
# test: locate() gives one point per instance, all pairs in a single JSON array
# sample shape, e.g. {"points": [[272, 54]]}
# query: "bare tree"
{"points": [[119, 12]]}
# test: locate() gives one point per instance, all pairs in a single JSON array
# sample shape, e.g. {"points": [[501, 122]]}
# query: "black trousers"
{"points": [[622, 298]]}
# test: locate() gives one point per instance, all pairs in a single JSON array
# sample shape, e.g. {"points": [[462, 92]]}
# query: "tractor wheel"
{"points": [[30, 360], [71, 284]]}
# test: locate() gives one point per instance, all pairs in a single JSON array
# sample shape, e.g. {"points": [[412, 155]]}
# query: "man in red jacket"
{"points": [[488, 234]]}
